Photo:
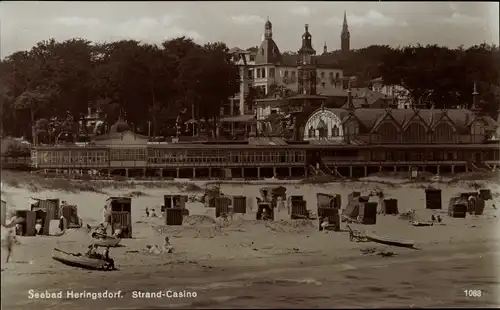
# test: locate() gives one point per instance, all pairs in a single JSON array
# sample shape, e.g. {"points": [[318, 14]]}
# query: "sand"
{"points": [[249, 263]]}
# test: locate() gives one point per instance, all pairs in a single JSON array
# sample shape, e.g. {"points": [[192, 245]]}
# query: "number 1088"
{"points": [[473, 293]]}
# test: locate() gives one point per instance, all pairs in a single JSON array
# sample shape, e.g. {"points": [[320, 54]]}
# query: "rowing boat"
{"points": [[80, 261], [388, 241]]}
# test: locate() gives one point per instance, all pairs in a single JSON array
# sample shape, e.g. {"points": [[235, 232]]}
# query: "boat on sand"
{"points": [[389, 241], [81, 261]]}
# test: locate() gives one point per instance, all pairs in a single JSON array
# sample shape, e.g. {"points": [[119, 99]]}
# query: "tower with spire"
{"points": [[268, 52], [268, 29], [306, 68], [345, 36]]}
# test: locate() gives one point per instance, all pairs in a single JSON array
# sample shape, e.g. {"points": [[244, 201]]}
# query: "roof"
{"points": [[303, 96], [333, 92], [377, 80], [235, 50], [366, 96], [369, 118], [239, 119], [300, 146], [268, 52]]}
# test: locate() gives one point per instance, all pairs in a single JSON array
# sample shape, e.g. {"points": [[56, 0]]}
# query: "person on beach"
{"points": [[38, 226], [153, 214], [147, 212], [118, 232], [280, 203], [167, 247], [61, 223], [8, 242], [106, 214], [325, 223]]}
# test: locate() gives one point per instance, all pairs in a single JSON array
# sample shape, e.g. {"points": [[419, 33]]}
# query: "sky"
{"points": [[241, 24]]}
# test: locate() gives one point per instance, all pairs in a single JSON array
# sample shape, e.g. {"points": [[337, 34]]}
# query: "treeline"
{"points": [[49, 88], [52, 85], [433, 74]]}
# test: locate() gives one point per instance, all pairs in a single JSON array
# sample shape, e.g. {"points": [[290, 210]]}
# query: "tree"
{"points": [[208, 78], [429, 73]]}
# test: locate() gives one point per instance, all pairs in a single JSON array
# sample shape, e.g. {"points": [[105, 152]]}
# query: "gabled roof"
{"points": [[370, 118]]}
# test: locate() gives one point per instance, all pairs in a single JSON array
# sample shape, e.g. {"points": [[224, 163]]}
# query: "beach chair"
{"points": [[355, 235]]}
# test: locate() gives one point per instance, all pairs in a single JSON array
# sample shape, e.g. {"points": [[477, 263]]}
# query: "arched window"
{"points": [[443, 133], [322, 129], [335, 131], [388, 133], [415, 133], [478, 128], [351, 128]]}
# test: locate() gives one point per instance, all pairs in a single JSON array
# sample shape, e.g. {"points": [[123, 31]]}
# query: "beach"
{"points": [[249, 264]]}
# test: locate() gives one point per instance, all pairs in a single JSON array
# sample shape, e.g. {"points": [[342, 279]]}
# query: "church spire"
{"points": [[325, 48], [345, 27], [345, 36]]}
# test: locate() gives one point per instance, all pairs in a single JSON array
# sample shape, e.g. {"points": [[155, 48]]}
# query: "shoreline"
{"points": [[263, 260]]}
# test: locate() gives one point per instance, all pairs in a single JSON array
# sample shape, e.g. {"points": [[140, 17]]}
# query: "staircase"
{"points": [[324, 171], [316, 172], [324, 168], [479, 166]]}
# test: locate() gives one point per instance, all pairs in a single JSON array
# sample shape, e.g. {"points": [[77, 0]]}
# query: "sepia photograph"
{"points": [[260, 154]]}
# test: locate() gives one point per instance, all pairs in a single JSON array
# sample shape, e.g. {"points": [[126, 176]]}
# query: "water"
{"points": [[425, 280]]}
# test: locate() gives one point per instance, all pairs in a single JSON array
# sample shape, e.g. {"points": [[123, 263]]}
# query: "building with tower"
{"points": [[303, 72]]}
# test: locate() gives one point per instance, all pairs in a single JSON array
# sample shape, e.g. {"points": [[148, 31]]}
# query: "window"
{"points": [[322, 75], [337, 75], [443, 133], [263, 73], [272, 72], [252, 58], [311, 132], [128, 154], [258, 73], [293, 73], [286, 73], [415, 133], [388, 132]]}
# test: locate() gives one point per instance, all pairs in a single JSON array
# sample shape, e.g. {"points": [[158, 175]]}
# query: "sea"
{"points": [[432, 280]]}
